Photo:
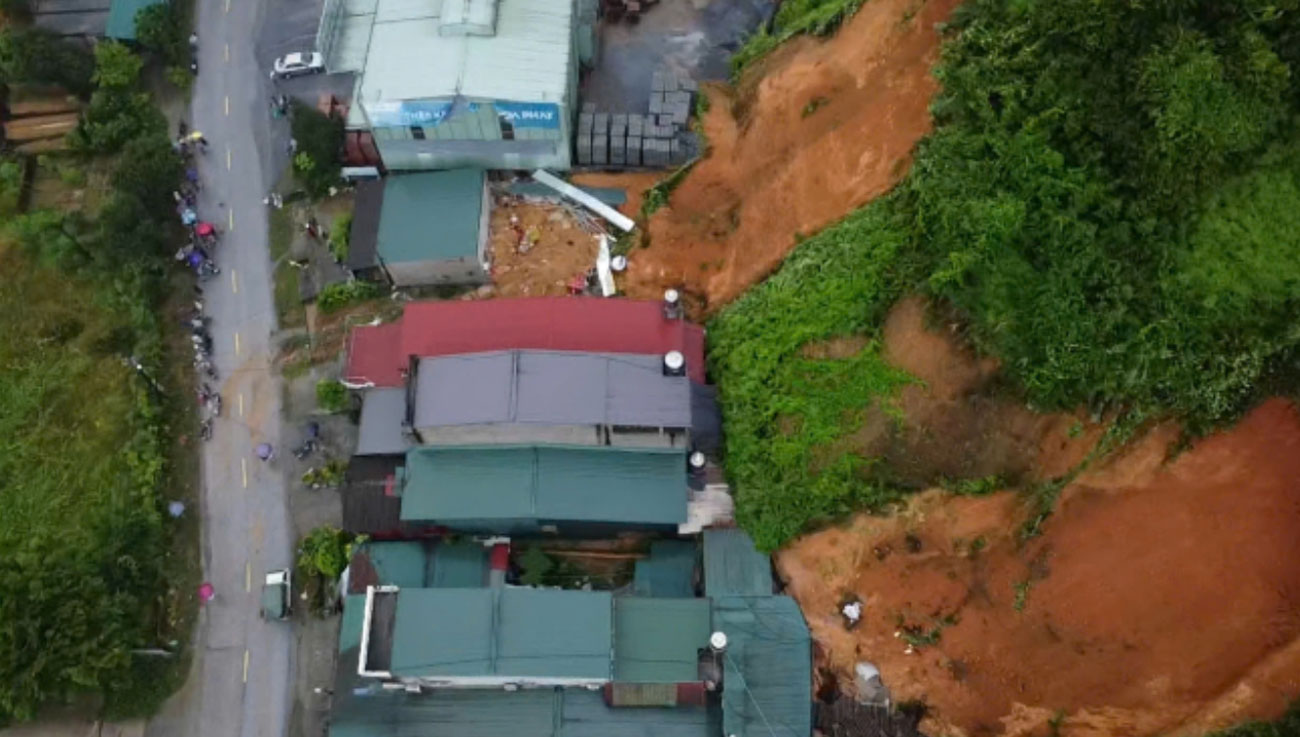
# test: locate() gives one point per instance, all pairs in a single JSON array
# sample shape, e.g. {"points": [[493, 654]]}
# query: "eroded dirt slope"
{"points": [[1162, 598], [827, 126]]}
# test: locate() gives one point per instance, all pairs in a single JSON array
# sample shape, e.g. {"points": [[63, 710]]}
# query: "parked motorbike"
{"points": [[205, 429], [214, 405]]}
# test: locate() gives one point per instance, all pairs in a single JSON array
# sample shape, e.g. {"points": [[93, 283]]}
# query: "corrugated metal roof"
{"points": [[504, 632], [767, 667], [658, 640], [396, 563], [431, 216], [541, 712], [733, 566], [668, 572], [549, 484], [592, 324], [526, 60], [367, 507], [352, 622], [550, 387], [363, 237], [383, 411], [468, 17], [458, 565], [121, 18]]}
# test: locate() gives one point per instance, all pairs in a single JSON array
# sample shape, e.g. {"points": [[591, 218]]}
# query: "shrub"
{"points": [[335, 297], [116, 66], [331, 396], [319, 157], [38, 56], [341, 237], [325, 552]]}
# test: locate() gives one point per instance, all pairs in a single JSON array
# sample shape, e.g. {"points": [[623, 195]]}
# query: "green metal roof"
{"points": [[431, 216], [510, 632], [733, 566], [767, 667], [121, 18], [397, 563], [658, 640], [540, 712], [668, 572], [353, 622], [545, 484], [458, 565]]}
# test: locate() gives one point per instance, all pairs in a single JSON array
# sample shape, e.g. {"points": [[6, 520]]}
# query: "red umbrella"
{"points": [[206, 592], [205, 229]]}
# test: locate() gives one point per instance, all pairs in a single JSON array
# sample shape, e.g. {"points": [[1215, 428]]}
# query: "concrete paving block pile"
{"points": [[658, 139]]}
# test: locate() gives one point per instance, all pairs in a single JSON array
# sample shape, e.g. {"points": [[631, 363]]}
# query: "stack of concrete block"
{"points": [[657, 140]]}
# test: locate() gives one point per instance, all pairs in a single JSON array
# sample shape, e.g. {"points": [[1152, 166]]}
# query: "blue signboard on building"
{"points": [[408, 112], [529, 114]]}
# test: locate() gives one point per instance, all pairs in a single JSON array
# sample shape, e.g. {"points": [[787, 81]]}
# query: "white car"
{"points": [[297, 64]]}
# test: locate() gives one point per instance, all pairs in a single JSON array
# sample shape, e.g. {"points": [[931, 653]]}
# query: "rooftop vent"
{"points": [[674, 364], [468, 18], [672, 304]]}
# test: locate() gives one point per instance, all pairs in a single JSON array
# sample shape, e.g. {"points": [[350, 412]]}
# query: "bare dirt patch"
{"points": [[1168, 605], [957, 423], [828, 126], [538, 249]]}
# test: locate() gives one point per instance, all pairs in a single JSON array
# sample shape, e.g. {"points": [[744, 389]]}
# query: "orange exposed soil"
{"points": [[955, 424], [827, 126], [537, 249], [1163, 596]]}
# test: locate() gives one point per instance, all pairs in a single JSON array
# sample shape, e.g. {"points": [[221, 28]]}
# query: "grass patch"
{"points": [[288, 297], [793, 18]]}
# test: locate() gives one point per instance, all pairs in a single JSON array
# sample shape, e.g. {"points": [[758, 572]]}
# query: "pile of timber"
{"points": [[39, 123]]}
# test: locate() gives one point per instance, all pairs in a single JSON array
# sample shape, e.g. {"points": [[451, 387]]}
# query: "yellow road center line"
{"points": [[227, 156], [227, 6], [241, 404], [234, 282], [227, 52], [232, 221], [248, 577], [236, 344], [227, 107], [245, 666], [243, 470]]}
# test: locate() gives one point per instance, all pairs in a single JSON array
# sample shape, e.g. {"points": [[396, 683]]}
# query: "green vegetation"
{"points": [[1020, 594], [37, 56], [288, 296], [335, 297], [118, 112], [793, 17], [93, 570], [331, 396], [327, 476], [319, 157], [341, 237], [322, 556], [163, 31], [1110, 199], [1287, 726]]}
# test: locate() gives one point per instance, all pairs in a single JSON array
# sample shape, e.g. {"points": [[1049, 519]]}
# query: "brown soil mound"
{"points": [[1160, 599], [828, 126], [957, 424], [538, 250]]}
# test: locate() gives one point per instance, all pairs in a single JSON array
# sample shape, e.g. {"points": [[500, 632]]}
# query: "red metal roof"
{"points": [[543, 323]]}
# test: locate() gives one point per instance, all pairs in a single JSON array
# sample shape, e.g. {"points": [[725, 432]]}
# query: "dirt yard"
{"points": [[537, 249], [818, 129], [1162, 597]]}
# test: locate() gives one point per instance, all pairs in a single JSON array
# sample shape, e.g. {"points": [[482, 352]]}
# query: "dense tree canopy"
{"points": [[1109, 197]]}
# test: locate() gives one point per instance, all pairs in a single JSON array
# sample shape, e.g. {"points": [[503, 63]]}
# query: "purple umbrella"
{"points": [[207, 592], [264, 451]]}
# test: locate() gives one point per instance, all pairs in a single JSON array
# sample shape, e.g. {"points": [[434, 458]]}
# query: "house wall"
{"points": [[466, 270], [471, 134]]}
